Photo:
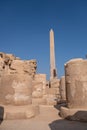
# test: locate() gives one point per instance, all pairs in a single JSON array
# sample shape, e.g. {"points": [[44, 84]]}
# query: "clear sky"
{"points": [[25, 26]]}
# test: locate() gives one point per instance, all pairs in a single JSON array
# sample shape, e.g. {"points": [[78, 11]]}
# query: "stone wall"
{"points": [[21, 88], [9, 64], [43, 94], [16, 79], [40, 82], [39, 89]]}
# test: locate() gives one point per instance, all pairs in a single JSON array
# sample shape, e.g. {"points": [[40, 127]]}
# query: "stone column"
{"points": [[76, 90], [53, 72], [76, 83]]}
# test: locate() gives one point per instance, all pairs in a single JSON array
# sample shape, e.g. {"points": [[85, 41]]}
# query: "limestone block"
{"points": [[17, 66], [50, 99], [40, 77], [39, 101], [54, 83], [74, 114], [2, 55], [15, 115], [7, 58], [37, 94], [52, 91], [20, 112], [16, 89], [37, 90], [30, 67], [11, 56], [11, 65], [40, 80], [2, 65]]}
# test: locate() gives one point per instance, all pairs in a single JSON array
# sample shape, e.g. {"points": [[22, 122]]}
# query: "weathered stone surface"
{"points": [[53, 71], [20, 112], [16, 89], [39, 86], [55, 84], [7, 56], [21, 87], [76, 83], [10, 64], [74, 114], [76, 90], [51, 99], [39, 101], [43, 94], [37, 90], [37, 94], [40, 78], [52, 91], [62, 88]]}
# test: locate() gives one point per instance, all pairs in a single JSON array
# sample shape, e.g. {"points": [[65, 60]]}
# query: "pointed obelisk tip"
{"points": [[51, 30]]}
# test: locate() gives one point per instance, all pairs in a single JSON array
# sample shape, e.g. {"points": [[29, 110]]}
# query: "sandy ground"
{"points": [[47, 120]]}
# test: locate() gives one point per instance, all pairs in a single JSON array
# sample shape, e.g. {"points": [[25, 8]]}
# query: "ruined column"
{"points": [[53, 72], [76, 90], [76, 83]]}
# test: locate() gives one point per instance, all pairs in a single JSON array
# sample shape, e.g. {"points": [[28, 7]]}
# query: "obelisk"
{"points": [[53, 71]]}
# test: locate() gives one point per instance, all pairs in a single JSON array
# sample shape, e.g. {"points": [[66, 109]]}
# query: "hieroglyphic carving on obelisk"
{"points": [[53, 72]]}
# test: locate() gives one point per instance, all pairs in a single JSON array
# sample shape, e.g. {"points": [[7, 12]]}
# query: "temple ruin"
{"points": [[23, 90]]}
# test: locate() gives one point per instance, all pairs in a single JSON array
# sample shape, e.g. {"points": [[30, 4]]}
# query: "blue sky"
{"points": [[25, 26]]}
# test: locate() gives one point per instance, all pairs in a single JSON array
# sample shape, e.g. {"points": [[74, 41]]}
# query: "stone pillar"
{"points": [[62, 88], [76, 83], [76, 90], [53, 72]]}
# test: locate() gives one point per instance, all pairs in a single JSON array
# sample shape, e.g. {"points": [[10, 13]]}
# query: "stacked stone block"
{"points": [[16, 77]]}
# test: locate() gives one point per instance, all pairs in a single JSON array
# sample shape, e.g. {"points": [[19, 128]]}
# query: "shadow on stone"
{"points": [[63, 124], [60, 104], [78, 116], [1, 114], [73, 114]]}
